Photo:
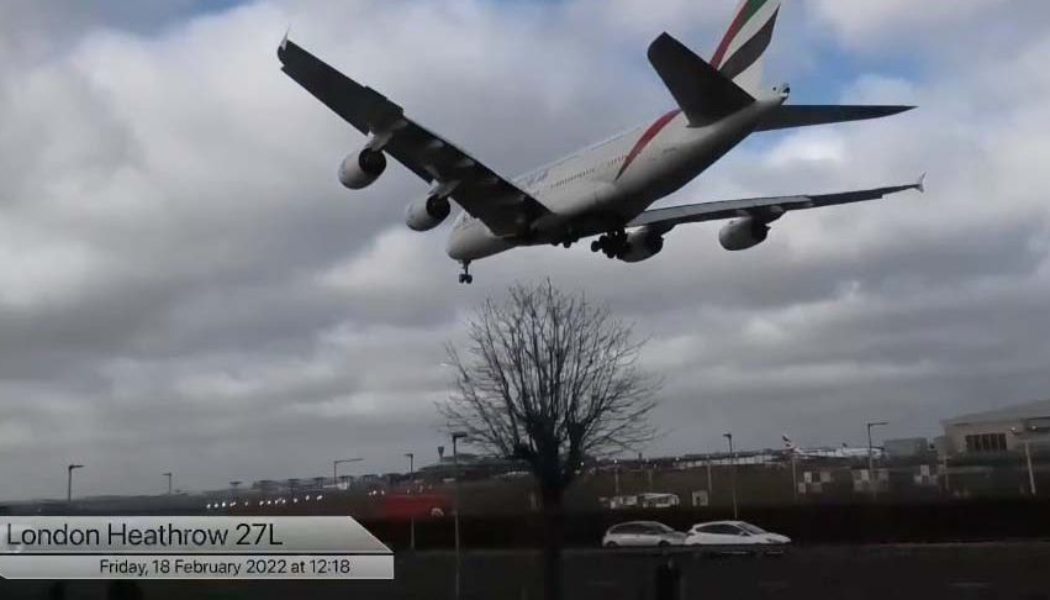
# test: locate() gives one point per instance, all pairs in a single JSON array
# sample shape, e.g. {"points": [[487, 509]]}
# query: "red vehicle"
{"points": [[418, 506]]}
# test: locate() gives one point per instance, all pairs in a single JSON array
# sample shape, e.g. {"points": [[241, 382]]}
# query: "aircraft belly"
{"points": [[475, 242]]}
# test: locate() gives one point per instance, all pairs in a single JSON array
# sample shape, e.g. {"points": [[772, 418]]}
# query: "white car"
{"points": [[733, 533], [642, 533]]}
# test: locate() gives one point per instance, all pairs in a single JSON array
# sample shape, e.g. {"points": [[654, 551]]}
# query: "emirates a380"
{"points": [[603, 191]]}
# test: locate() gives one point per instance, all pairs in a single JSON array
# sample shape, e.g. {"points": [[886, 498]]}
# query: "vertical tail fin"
{"points": [[740, 56]]}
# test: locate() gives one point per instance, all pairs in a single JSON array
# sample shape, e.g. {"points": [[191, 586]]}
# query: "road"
{"points": [[963, 571]]}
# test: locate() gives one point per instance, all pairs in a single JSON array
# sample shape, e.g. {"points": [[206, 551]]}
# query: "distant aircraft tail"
{"points": [[741, 54]]}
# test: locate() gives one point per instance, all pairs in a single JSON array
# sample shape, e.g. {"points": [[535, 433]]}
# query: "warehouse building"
{"points": [[1001, 430]]}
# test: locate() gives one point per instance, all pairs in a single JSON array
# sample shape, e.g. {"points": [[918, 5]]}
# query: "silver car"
{"points": [[642, 534], [733, 533]]}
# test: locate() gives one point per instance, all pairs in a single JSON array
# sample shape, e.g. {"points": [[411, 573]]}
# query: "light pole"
{"points": [[710, 490], [1031, 474], [456, 436], [412, 517], [335, 468], [168, 475], [794, 471], [732, 472], [871, 459], [1028, 459], [69, 481]]}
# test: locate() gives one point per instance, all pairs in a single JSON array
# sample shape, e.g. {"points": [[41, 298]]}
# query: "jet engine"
{"points": [[357, 172], [423, 215], [641, 244], [741, 234]]}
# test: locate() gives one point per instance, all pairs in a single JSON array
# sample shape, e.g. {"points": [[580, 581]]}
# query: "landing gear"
{"points": [[613, 244], [465, 276]]}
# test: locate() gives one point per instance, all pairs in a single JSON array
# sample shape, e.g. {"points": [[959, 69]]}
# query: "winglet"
{"points": [[921, 184], [284, 40]]}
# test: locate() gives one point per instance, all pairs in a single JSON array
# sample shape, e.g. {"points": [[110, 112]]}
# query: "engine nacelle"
{"points": [[642, 244], [359, 171], [741, 234], [426, 214]]}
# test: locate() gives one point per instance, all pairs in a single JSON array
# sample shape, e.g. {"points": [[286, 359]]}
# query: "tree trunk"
{"points": [[553, 520]]}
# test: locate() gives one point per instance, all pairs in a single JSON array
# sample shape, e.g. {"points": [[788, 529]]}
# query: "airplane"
{"points": [[845, 451], [604, 190]]}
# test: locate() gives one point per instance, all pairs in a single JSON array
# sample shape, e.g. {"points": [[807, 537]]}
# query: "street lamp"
{"points": [[456, 436], [732, 472], [871, 458], [168, 475], [69, 481], [412, 517], [335, 468]]}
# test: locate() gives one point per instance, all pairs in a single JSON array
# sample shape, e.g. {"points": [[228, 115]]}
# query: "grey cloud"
{"points": [[187, 288]]}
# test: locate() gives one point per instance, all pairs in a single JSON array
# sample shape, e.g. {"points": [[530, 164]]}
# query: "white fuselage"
{"points": [[603, 187]]}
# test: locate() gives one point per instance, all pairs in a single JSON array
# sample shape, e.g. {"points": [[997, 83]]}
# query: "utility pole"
{"points": [[456, 436], [69, 481], [168, 475], [871, 460], [732, 472], [412, 517]]}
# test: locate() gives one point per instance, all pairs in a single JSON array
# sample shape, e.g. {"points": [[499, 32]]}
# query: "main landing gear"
{"points": [[465, 276], [613, 244]]}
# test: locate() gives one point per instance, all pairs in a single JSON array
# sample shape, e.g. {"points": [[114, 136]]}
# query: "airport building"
{"points": [[1001, 430]]}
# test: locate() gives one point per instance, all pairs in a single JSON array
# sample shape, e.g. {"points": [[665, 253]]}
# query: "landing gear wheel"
{"points": [[465, 276], [613, 244]]}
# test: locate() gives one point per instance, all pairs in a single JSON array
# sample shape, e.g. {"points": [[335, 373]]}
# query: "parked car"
{"points": [[733, 533], [642, 533]]}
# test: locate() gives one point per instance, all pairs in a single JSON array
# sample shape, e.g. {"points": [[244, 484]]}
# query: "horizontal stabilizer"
{"points": [[704, 94], [788, 116]]}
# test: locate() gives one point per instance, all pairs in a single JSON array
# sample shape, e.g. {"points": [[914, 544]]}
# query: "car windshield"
{"points": [[748, 527], [662, 528]]}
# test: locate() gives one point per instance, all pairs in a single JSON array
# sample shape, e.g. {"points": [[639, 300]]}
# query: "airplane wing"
{"points": [[665, 219], [504, 207]]}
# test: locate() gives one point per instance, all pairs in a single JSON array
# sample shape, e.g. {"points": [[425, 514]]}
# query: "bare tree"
{"points": [[549, 379]]}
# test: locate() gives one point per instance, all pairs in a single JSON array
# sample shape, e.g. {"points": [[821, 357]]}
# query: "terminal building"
{"points": [[998, 431]]}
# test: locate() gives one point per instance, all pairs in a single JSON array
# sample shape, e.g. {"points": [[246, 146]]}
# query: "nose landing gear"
{"points": [[465, 276]]}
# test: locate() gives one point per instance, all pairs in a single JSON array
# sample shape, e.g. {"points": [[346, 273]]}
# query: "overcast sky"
{"points": [[184, 285]]}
